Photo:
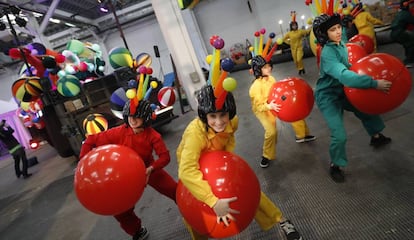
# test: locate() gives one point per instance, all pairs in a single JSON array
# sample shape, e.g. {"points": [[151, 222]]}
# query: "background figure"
{"points": [[349, 28], [15, 149], [365, 22], [259, 92], [330, 98], [401, 34], [214, 129], [295, 39], [137, 134]]}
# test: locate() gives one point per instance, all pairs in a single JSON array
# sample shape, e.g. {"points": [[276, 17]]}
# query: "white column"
{"points": [[180, 44]]}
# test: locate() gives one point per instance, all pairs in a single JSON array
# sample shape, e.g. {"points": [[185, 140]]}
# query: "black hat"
{"points": [[322, 23], [143, 110], [207, 103]]}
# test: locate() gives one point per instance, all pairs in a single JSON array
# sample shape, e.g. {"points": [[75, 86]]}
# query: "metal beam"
{"points": [[48, 15]]}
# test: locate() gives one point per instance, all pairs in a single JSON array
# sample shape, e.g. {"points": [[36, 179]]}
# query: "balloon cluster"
{"points": [[258, 50], [219, 70], [345, 7], [31, 114]]}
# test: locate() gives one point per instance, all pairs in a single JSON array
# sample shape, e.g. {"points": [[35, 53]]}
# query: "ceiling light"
{"points": [[103, 9], [70, 24], [54, 20]]}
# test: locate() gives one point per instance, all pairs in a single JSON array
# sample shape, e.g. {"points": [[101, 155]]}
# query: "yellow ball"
{"points": [[251, 48], [279, 41], [209, 58], [130, 93], [310, 21], [154, 84], [229, 84]]}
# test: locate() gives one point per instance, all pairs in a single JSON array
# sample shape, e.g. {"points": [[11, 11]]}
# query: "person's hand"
{"points": [[274, 106], [384, 85], [148, 172], [223, 210]]}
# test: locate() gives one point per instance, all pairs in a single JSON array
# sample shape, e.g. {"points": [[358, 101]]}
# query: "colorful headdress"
{"points": [[257, 49], [219, 69]]}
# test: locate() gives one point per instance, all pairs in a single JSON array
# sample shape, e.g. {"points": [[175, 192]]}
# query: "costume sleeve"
{"points": [[374, 20], [333, 67], [286, 38], [160, 149], [99, 139], [259, 100], [232, 141], [193, 142]]}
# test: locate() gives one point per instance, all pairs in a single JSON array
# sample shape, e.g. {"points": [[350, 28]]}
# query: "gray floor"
{"points": [[376, 202]]}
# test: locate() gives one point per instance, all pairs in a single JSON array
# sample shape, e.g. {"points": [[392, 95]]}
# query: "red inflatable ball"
{"points": [[296, 97], [355, 52], [365, 41], [110, 179], [380, 66], [229, 176]]}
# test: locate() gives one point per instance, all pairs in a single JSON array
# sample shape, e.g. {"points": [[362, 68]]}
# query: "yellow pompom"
{"points": [[209, 58], [154, 84], [279, 41], [130, 93]]}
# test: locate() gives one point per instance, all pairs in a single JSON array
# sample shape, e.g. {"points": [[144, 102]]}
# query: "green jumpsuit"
{"points": [[331, 100], [401, 35]]}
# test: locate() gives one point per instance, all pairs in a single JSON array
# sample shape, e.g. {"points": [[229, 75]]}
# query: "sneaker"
{"points": [[308, 138], [141, 235], [25, 176], [264, 163], [290, 231], [337, 174], [379, 141]]}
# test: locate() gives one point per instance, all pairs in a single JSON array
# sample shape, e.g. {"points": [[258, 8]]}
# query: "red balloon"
{"points": [[110, 179], [365, 41], [355, 52], [380, 66], [296, 97], [229, 176]]}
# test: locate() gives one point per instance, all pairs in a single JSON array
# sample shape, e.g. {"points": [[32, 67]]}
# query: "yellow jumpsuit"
{"points": [[196, 140], [295, 39], [365, 22], [259, 92]]}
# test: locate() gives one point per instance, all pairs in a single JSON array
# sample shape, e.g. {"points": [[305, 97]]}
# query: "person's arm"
{"points": [[333, 67], [194, 141], [234, 123], [259, 100], [160, 149], [286, 38], [374, 20], [99, 139]]}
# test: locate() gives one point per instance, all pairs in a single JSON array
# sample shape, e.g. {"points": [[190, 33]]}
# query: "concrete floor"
{"points": [[376, 202]]}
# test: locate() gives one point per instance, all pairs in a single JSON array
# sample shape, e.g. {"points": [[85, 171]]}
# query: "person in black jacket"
{"points": [[15, 149]]}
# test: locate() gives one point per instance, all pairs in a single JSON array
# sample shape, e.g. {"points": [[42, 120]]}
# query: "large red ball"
{"points": [[229, 176], [365, 41], [295, 97], [355, 52], [110, 179], [380, 66]]}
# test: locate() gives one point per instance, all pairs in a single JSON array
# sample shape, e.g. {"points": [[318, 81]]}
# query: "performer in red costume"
{"points": [[138, 134]]}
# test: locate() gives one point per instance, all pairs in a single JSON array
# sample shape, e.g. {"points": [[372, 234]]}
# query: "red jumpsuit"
{"points": [[144, 144]]}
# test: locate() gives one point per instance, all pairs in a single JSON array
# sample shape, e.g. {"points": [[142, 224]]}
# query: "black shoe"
{"points": [[141, 234], [337, 174], [264, 163], [27, 175], [18, 174], [379, 141], [307, 138], [290, 231]]}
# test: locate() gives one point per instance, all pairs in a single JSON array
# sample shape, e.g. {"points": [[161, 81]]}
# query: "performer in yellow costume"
{"points": [[365, 22], [259, 92], [214, 129], [295, 39]]}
